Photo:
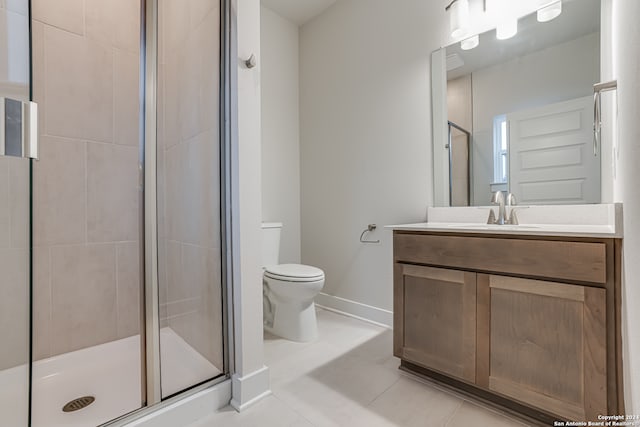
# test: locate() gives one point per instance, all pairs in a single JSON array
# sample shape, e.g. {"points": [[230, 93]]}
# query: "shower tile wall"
{"points": [[86, 195], [188, 174]]}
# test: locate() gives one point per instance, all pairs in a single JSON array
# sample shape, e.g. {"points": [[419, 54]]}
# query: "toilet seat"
{"points": [[294, 273]]}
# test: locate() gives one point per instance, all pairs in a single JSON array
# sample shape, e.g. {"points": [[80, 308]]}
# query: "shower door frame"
{"points": [[151, 393], [151, 397]]}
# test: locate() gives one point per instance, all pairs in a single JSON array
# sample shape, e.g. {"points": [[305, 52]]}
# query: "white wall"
{"points": [[365, 111], [626, 68], [524, 83], [280, 130], [365, 108]]}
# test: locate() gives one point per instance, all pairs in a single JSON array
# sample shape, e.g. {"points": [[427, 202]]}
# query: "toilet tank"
{"points": [[271, 243]]}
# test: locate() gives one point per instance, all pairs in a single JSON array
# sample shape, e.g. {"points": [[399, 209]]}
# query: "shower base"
{"points": [[109, 372]]}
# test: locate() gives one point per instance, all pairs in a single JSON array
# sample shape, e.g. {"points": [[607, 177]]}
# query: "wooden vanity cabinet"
{"points": [[539, 327], [439, 319], [544, 344]]}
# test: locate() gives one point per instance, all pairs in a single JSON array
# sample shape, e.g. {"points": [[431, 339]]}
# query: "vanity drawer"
{"points": [[574, 261]]}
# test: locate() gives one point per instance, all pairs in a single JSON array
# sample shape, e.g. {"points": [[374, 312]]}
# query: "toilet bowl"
{"points": [[288, 292]]}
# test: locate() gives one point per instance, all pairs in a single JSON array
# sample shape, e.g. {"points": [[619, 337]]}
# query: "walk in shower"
{"points": [[112, 292]]}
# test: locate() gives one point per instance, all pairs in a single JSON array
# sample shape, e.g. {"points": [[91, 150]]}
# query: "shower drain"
{"points": [[79, 403]]}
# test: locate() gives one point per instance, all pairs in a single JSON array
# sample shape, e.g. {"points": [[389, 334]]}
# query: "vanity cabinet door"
{"points": [[435, 319], [546, 344]]}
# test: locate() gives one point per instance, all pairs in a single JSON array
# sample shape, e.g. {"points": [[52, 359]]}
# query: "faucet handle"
{"points": [[492, 217], [513, 218], [511, 200]]}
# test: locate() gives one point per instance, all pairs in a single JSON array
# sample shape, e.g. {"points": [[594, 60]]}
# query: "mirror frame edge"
{"points": [[439, 126]]}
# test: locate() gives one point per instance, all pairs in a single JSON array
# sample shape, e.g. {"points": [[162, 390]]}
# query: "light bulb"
{"points": [[470, 43], [507, 29], [550, 12], [459, 18]]}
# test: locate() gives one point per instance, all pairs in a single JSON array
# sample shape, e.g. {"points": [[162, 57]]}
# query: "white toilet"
{"points": [[288, 291]]}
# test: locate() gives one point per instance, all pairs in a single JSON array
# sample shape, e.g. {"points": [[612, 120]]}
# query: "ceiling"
{"points": [[298, 11]]}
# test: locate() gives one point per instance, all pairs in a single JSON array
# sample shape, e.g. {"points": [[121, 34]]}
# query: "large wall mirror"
{"points": [[517, 114]]}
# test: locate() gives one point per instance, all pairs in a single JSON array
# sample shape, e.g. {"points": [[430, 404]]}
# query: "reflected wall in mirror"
{"points": [[527, 104]]}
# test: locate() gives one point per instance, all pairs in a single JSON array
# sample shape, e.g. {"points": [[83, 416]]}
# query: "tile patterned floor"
{"points": [[349, 377]]}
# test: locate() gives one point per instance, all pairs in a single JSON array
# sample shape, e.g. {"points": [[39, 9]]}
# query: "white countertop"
{"points": [[527, 230], [603, 220]]}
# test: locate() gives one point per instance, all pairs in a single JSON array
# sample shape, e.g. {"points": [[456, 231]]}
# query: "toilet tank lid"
{"points": [[295, 270], [271, 225]]}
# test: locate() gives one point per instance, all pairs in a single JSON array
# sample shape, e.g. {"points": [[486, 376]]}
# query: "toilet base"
{"points": [[294, 321]]}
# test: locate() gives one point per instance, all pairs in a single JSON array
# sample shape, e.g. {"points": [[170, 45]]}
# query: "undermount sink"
{"points": [[506, 227]]}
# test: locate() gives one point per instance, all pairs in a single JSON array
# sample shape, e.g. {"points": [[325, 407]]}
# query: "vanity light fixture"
{"points": [[507, 28], [550, 12], [459, 18], [470, 43], [504, 14]]}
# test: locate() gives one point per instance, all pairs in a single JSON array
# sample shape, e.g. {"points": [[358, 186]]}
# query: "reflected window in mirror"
{"points": [[500, 149]]}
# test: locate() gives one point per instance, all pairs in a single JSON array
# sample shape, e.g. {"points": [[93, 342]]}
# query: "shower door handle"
{"points": [[18, 128]]}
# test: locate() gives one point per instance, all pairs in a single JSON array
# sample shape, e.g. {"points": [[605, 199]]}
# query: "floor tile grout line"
{"points": [[291, 408], [453, 413], [383, 392]]}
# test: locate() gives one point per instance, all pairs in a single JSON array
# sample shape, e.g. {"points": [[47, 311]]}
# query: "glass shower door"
{"points": [[14, 213], [188, 180], [87, 235]]}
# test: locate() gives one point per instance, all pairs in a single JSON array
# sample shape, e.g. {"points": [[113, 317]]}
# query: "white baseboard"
{"points": [[188, 410], [249, 389], [355, 309]]}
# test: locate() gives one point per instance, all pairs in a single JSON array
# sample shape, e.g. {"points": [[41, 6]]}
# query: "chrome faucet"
{"points": [[497, 198], [504, 217], [511, 219]]}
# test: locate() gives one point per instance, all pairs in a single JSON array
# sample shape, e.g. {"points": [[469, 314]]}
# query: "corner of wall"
{"points": [[249, 389], [625, 58], [280, 129], [250, 377]]}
